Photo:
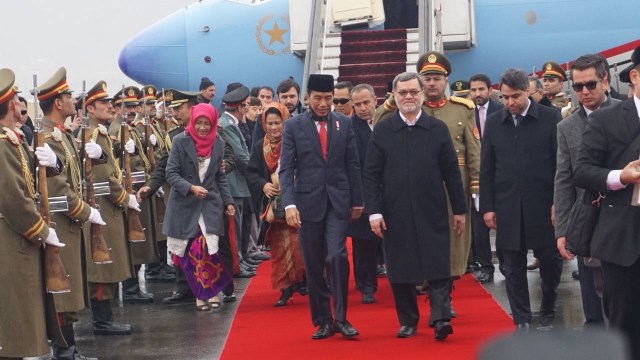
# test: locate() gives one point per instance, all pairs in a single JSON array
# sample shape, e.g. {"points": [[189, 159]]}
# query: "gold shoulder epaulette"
{"points": [[468, 103], [11, 136], [55, 134], [103, 130]]}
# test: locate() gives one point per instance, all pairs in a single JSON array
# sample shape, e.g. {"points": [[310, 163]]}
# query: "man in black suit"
{"points": [[608, 163], [517, 170], [322, 191], [365, 242], [479, 90]]}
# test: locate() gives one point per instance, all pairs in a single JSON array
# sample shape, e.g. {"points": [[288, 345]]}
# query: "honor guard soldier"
{"points": [[23, 318], [56, 102], [104, 278], [157, 271], [553, 78], [459, 116], [142, 252], [460, 88]]}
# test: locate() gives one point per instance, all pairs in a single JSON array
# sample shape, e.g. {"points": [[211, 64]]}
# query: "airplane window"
{"points": [[250, 2]]}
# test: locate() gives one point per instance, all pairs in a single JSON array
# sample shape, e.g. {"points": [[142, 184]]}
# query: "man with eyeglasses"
{"points": [[590, 82], [409, 158], [342, 99], [459, 115], [516, 198], [23, 123]]}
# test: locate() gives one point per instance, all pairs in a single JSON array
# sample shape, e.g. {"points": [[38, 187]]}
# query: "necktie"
{"points": [[322, 135], [483, 115], [519, 119]]}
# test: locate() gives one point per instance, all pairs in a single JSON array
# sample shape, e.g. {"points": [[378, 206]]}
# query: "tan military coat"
{"points": [[459, 116], [112, 211], [23, 330], [69, 225]]}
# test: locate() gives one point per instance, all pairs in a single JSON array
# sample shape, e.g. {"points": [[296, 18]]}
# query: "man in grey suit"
{"points": [[590, 82], [322, 191]]}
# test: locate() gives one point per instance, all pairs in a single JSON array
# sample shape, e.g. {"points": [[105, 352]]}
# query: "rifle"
{"points": [[56, 278], [147, 134], [134, 226], [99, 249], [166, 119]]}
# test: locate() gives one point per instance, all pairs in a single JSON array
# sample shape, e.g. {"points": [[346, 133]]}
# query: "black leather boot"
{"points": [[103, 323], [131, 293], [182, 293], [70, 352]]}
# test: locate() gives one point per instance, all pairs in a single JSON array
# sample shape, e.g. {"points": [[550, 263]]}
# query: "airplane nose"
{"points": [[158, 55]]}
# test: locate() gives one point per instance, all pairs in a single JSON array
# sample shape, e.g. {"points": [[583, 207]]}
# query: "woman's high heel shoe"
{"points": [[285, 295]]}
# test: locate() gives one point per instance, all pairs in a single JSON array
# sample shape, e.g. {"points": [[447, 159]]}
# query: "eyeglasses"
{"points": [[23, 112], [590, 85], [340, 101], [403, 93]]}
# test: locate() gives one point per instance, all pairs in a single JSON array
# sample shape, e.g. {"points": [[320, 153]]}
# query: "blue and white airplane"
{"points": [[248, 41]]}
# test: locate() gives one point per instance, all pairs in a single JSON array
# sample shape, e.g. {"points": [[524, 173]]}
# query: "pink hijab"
{"points": [[204, 145]]}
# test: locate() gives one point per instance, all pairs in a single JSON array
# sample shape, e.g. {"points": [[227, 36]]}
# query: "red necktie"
{"points": [[322, 134]]}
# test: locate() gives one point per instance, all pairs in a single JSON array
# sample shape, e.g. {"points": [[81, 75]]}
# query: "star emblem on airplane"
{"points": [[276, 34]]}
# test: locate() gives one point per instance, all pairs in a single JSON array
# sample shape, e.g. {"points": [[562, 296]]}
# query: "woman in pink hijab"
{"points": [[197, 205]]}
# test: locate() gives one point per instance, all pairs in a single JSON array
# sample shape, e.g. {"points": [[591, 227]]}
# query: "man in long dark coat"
{"points": [[519, 146], [408, 159]]}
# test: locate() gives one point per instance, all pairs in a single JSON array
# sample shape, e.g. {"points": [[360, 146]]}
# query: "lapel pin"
{"points": [[337, 125]]}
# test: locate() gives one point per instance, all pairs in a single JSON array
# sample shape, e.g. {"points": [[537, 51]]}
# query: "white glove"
{"points": [[52, 239], [130, 146], [93, 150], [153, 140], [46, 156], [95, 217], [133, 203], [476, 201], [160, 192]]}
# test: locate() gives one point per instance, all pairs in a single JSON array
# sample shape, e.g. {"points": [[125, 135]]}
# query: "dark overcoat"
{"points": [[360, 228], [184, 208], [403, 180], [518, 167], [257, 175]]}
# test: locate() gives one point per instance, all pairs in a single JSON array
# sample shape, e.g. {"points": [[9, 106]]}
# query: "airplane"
{"points": [[249, 41]]}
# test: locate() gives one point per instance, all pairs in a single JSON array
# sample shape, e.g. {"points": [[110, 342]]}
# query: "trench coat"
{"points": [[184, 208], [517, 176], [406, 173]]}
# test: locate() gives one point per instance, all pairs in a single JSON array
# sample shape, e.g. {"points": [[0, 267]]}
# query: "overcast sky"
{"points": [[85, 36]]}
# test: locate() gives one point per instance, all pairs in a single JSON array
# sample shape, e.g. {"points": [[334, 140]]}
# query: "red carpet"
{"points": [[263, 331]]}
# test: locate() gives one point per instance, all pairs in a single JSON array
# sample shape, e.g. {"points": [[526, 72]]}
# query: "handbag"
{"points": [[582, 221], [275, 208]]}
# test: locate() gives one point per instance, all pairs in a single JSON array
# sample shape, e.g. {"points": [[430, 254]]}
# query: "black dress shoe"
{"points": [[406, 331], [368, 299], [285, 295], [157, 277], [179, 297], [137, 298], [261, 257], [381, 271], [522, 329], [442, 330], [111, 328], [484, 278], [546, 322], [346, 329], [323, 332], [229, 298]]}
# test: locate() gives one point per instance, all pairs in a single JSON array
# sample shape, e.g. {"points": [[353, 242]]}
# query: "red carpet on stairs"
{"points": [[262, 331]]}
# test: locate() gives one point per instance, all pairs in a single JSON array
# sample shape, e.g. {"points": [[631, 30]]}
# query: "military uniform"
{"points": [[460, 88], [22, 231], [552, 69], [103, 278], [459, 116]]}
